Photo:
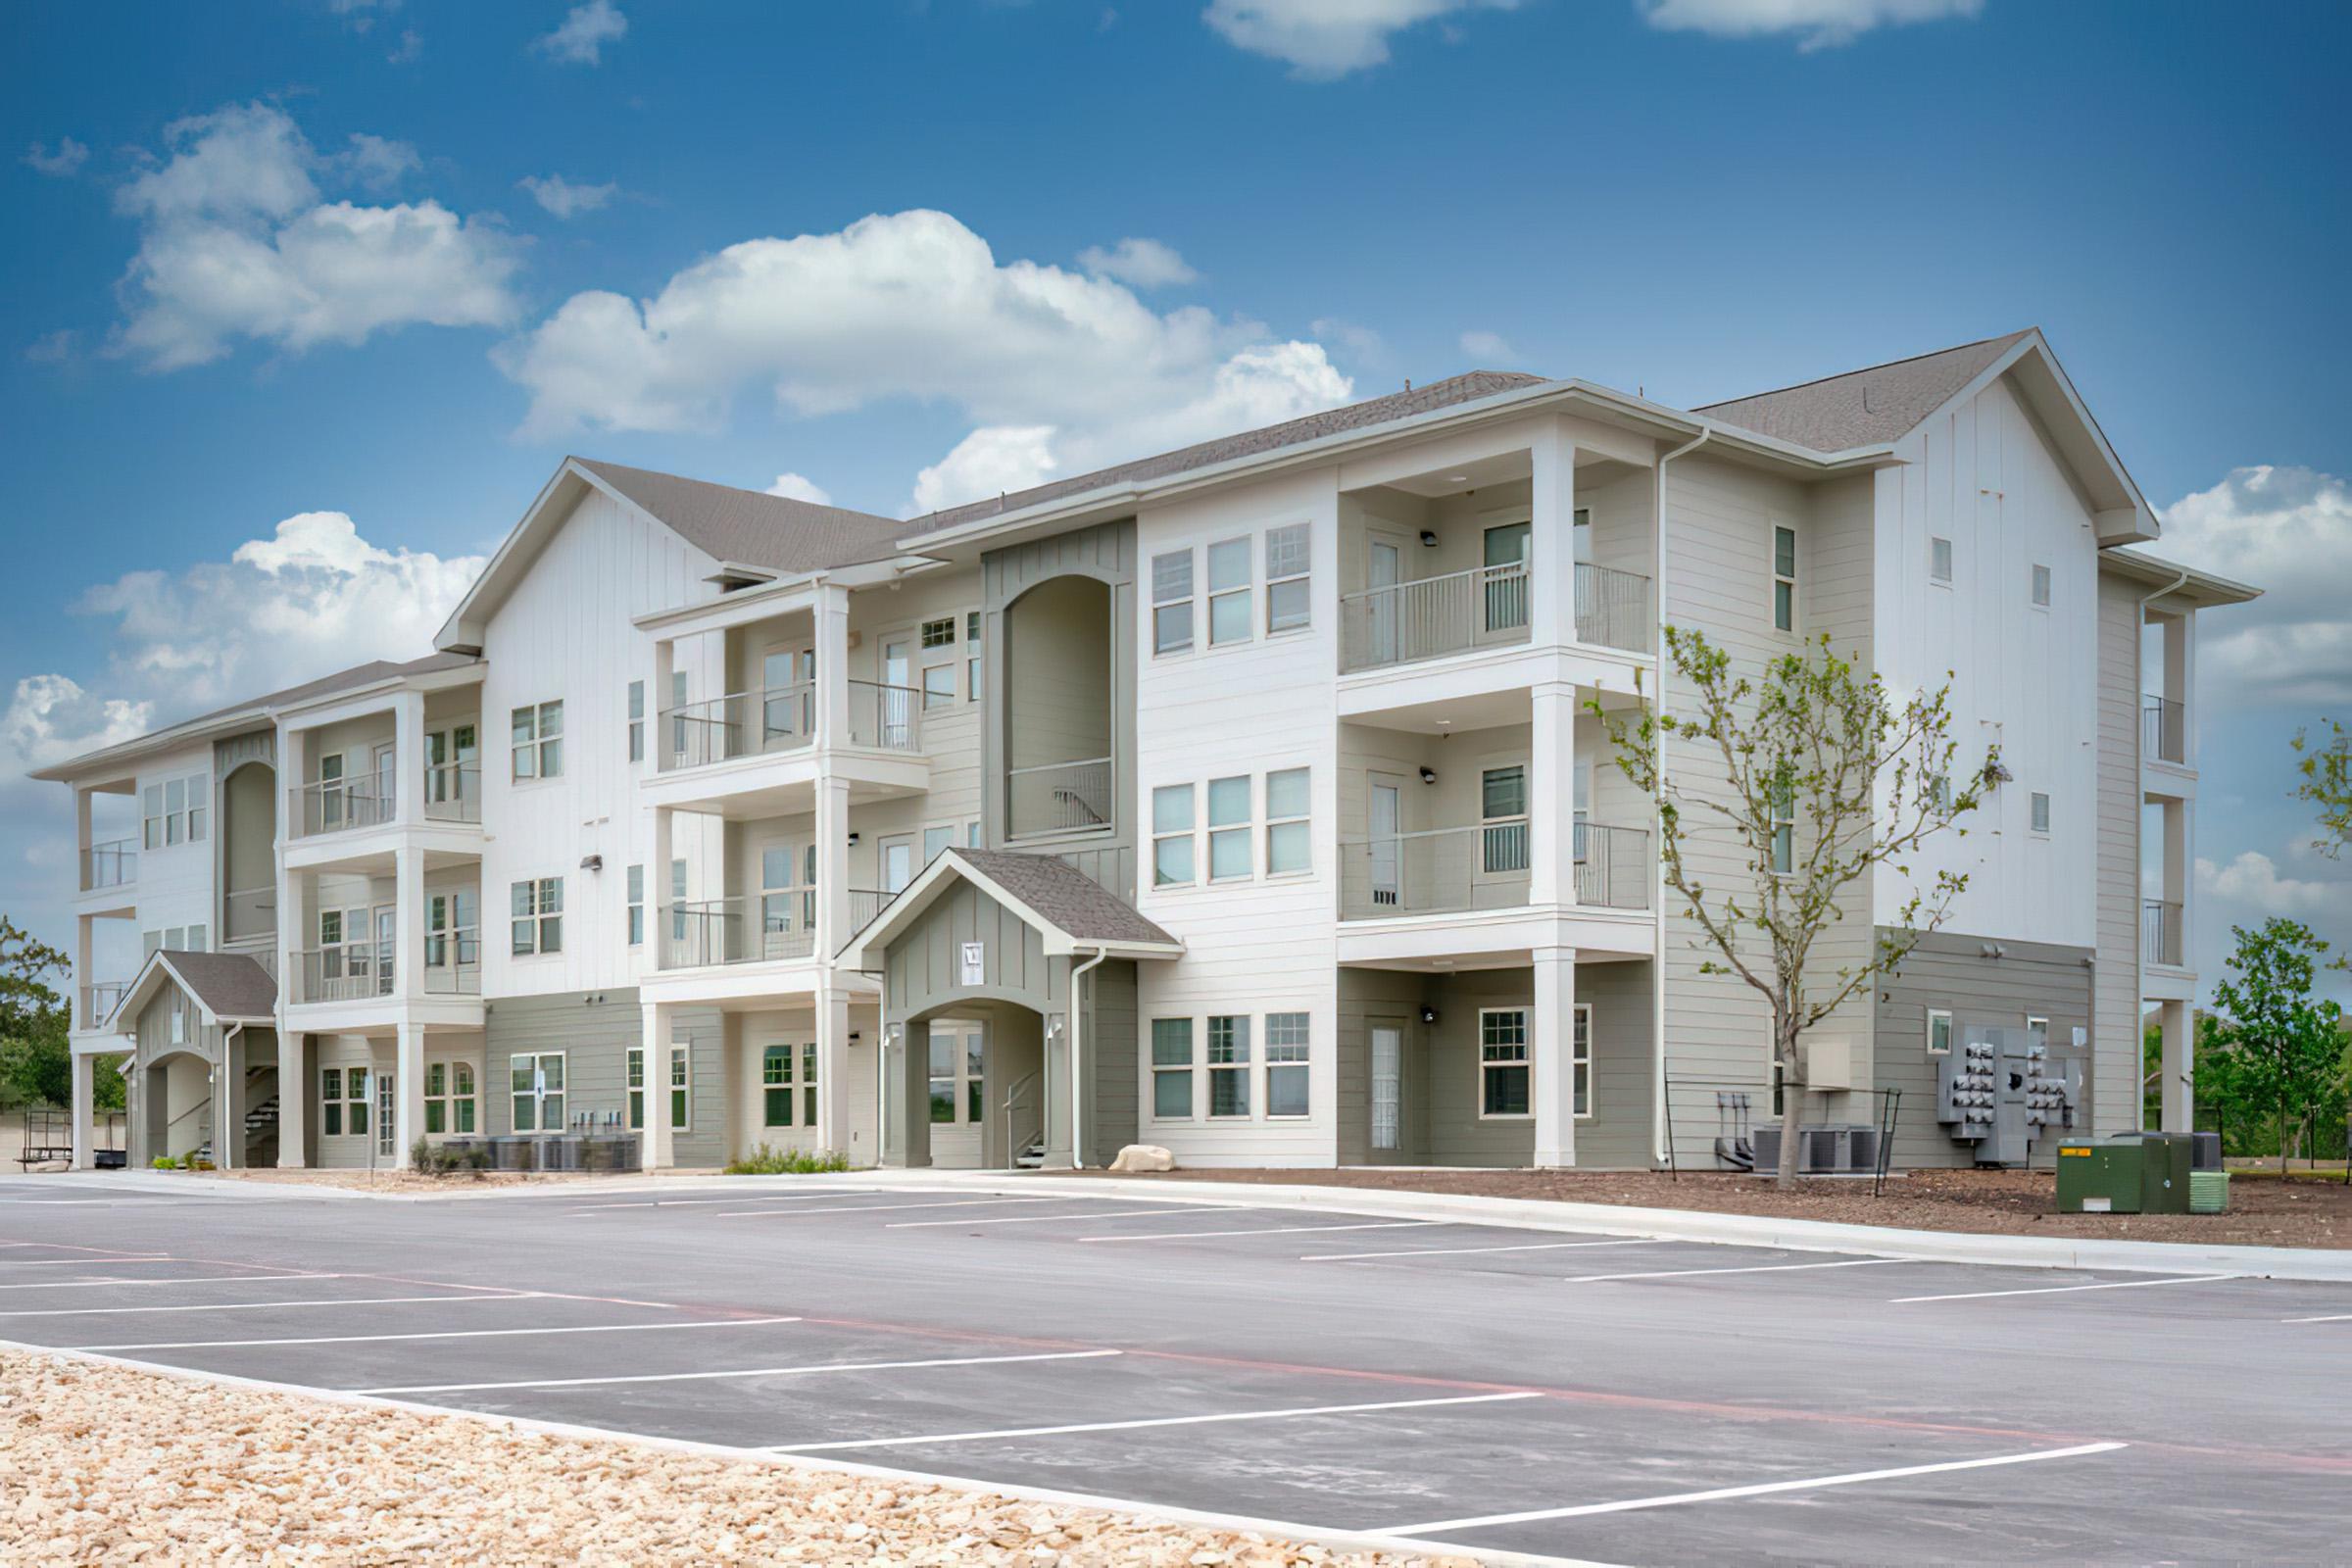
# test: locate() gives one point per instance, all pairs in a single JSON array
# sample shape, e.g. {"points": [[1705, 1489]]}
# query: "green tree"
{"points": [[34, 1064], [1817, 778], [2326, 766], [2272, 1047]]}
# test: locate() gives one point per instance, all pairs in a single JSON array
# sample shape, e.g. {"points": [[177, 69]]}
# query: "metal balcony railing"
{"points": [[100, 1000], [1431, 618], [1451, 871], [864, 905], [2160, 922], [773, 719], [740, 930], [331, 805], [1613, 867], [885, 716], [453, 793], [2164, 730], [112, 865], [248, 912], [354, 972], [1059, 797], [1612, 608]]}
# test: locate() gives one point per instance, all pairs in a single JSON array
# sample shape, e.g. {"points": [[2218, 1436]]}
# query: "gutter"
{"points": [[2140, 947], [1078, 1077], [1659, 1121]]}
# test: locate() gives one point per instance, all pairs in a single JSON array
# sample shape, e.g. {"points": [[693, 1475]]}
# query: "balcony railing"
{"points": [[2164, 730], [887, 717], [1431, 618], [331, 805], [1612, 608], [112, 865], [453, 793], [740, 930], [773, 719], [99, 1001], [866, 903], [1451, 871], [1614, 867], [354, 972], [463, 978], [1059, 797], [248, 912], [2160, 932]]}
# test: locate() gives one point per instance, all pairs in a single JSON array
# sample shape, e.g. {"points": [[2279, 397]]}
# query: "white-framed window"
{"points": [[1289, 567], [636, 721], [1228, 592], [1784, 829], [788, 1085], [1229, 857], [939, 668], [1940, 562], [173, 812], [681, 1088], [177, 938], [1503, 815], [1172, 843], [959, 1090], [1172, 602], [1171, 1069], [2041, 586], [448, 1097], [1784, 579], [937, 838], [632, 1074], [1290, 844], [452, 930], [538, 741], [1229, 1067], [1940, 1031], [535, 1084], [636, 896], [1504, 1068], [971, 833], [1580, 1061], [537, 916], [938, 632], [972, 657], [343, 1102], [1287, 1063], [2042, 812]]}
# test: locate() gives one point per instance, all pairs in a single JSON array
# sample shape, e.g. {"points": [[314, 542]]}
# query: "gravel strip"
{"points": [[102, 1463]]}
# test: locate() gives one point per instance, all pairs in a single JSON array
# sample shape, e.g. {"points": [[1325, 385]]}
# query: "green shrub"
{"points": [[430, 1158], [766, 1161], [164, 1162]]}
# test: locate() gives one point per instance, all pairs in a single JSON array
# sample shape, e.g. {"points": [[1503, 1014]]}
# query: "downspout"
{"points": [[1078, 1078], [1658, 1121], [228, 1046], [2139, 946]]}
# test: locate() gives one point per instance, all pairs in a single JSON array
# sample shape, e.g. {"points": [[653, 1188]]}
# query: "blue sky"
{"points": [[373, 266]]}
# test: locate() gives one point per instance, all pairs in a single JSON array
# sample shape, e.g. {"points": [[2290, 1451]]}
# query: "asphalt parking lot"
{"points": [[1549, 1392]]}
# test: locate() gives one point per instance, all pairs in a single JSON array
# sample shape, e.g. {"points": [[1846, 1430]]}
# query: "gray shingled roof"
{"points": [[1464, 388], [230, 985], [749, 527], [1063, 895], [1863, 408]]}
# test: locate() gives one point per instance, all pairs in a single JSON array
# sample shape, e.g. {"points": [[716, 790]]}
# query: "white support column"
{"points": [[1552, 796], [658, 753], [80, 1010], [81, 840], [294, 931], [831, 629], [293, 1098], [2176, 1068], [407, 759], [654, 1144], [1552, 1053], [408, 951], [658, 894], [408, 1093], [833, 1069], [1551, 585], [85, 1105], [833, 926]]}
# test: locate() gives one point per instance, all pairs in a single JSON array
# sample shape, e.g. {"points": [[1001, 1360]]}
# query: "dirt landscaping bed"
{"points": [[103, 1463], [2262, 1212]]}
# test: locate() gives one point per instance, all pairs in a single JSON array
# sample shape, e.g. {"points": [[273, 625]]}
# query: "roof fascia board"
{"points": [[2135, 519], [2203, 586], [745, 605], [358, 701], [101, 766]]}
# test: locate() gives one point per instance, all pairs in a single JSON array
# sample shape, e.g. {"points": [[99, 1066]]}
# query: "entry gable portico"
{"points": [[195, 1022]]}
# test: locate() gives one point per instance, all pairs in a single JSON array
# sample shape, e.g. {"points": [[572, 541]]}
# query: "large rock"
{"points": [[1143, 1156]]}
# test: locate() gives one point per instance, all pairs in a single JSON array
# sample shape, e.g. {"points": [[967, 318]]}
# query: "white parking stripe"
{"points": [[2333, 1318], [1072, 1219], [731, 1198], [1270, 1230], [439, 1334], [202, 1279], [100, 1262], [1454, 1252], [2060, 1290], [1752, 1268], [1762, 1489], [1157, 1421], [748, 1372], [255, 1306], [877, 1208]]}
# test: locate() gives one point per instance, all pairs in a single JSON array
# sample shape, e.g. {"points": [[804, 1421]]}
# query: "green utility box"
{"points": [[2128, 1173]]}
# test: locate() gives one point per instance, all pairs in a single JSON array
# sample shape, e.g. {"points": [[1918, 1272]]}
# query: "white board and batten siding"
{"points": [[1256, 946]]}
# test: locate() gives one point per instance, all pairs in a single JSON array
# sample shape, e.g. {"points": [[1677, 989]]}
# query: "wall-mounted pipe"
{"points": [[1658, 1119]]}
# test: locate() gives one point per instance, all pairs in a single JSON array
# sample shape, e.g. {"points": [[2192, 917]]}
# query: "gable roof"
{"points": [[1870, 407], [1069, 908], [228, 988], [749, 527], [1466, 388]]}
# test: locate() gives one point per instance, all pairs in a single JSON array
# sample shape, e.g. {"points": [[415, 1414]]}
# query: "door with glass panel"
{"points": [[898, 863], [1386, 845], [387, 780], [788, 900], [451, 781], [1382, 570], [1505, 557], [958, 1093], [787, 695], [452, 947], [1386, 1094], [896, 719]]}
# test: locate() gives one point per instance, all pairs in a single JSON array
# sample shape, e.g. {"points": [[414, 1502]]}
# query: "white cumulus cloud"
{"points": [[2289, 531], [236, 243], [50, 718], [993, 460], [1819, 24], [2250, 888], [1323, 39], [66, 158], [800, 487], [565, 198], [915, 305], [1138, 263], [580, 39], [1488, 348]]}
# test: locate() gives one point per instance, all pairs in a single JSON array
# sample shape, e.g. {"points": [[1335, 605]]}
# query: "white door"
{"points": [[898, 863], [1388, 808], [959, 1096], [387, 777], [1381, 571], [896, 697], [788, 696], [1388, 1086], [388, 931]]}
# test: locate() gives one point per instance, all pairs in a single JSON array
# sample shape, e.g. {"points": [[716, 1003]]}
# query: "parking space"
{"points": [[1579, 1394]]}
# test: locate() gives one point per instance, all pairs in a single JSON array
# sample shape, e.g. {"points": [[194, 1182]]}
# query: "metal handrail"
{"points": [[866, 903], [1612, 608], [114, 864], [1059, 797], [1430, 618], [2164, 729], [746, 723], [1613, 867], [716, 931], [453, 793], [353, 972], [2160, 931], [1447, 870], [333, 806], [248, 912], [1012, 1100], [100, 1000], [886, 715]]}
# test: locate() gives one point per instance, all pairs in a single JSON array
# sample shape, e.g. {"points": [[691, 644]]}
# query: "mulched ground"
{"points": [[2262, 1212]]}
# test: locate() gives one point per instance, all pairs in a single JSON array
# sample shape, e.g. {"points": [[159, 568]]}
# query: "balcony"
{"points": [[1059, 798], [2160, 932], [336, 806], [358, 971], [1485, 607], [2164, 730], [774, 718], [866, 903], [112, 865], [453, 793], [769, 929], [248, 912], [1455, 870], [886, 717], [100, 1000]]}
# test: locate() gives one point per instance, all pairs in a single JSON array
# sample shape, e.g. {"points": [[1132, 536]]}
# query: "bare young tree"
{"points": [[1820, 779]]}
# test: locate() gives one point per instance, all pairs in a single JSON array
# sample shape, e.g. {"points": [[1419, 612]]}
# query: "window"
{"points": [[461, 1097], [1290, 848], [537, 1083], [636, 721], [1172, 602], [436, 1097], [177, 938], [678, 913], [174, 811], [2041, 587], [197, 790], [939, 686], [538, 737], [1580, 1061], [971, 655], [777, 899], [2037, 1031], [1229, 1067], [938, 633], [1939, 1032], [1940, 562], [959, 1090], [1502, 808], [1229, 592], [1228, 828], [1503, 1063], [2042, 812], [1784, 579], [633, 1076], [1784, 829], [1172, 836], [1287, 560], [538, 917], [681, 1108], [788, 1085], [636, 905], [1286, 1063], [937, 838], [453, 938], [1171, 1068], [343, 1102]]}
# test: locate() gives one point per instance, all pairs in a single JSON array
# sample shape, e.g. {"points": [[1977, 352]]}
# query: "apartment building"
{"points": [[1246, 800]]}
